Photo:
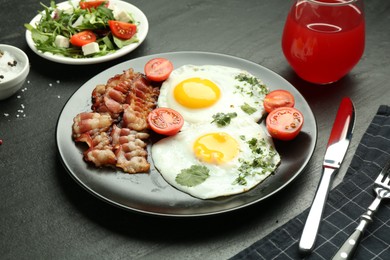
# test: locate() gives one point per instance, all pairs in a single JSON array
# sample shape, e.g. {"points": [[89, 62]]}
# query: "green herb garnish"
{"points": [[248, 109], [254, 82], [223, 119], [193, 176], [260, 164]]}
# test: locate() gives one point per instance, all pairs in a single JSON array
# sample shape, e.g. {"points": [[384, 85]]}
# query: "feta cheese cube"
{"points": [[111, 6], [90, 48], [61, 41], [122, 16], [78, 22], [67, 10]]}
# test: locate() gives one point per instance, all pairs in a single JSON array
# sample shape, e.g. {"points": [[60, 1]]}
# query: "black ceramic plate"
{"points": [[149, 193]]}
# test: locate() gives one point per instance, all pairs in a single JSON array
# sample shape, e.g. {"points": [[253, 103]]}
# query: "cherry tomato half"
{"points": [[92, 4], [158, 69], [122, 30], [284, 123], [165, 121], [82, 38], [278, 98]]}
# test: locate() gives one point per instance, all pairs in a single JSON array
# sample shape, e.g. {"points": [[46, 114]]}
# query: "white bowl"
{"points": [[12, 75]]}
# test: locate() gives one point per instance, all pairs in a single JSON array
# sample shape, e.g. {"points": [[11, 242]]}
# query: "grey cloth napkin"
{"points": [[345, 204]]}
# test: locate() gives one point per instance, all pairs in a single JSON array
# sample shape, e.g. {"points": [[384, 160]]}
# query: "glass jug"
{"points": [[324, 39]]}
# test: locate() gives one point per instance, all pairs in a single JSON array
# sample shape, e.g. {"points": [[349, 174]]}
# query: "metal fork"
{"points": [[382, 190]]}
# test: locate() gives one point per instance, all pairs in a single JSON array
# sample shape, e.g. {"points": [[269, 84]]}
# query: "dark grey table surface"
{"points": [[45, 214]]}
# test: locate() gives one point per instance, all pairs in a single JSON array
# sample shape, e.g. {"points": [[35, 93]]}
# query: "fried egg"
{"points": [[199, 92], [207, 161]]}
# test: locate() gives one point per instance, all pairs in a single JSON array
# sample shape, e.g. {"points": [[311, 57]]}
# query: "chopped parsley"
{"points": [[262, 161], [253, 82], [192, 176], [248, 109], [223, 119]]}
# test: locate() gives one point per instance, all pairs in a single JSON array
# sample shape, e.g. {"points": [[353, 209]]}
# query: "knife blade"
{"points": [[336, 149]]}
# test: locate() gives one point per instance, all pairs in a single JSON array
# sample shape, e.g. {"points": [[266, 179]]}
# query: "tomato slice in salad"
{"points": [[165, 121], [278, 98], [122, 30], [82, 38], [284, 123], [92, 4], [158, 69]]}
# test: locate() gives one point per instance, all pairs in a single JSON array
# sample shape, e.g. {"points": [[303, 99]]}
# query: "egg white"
{"points": [[234, 93], [173, 154]]}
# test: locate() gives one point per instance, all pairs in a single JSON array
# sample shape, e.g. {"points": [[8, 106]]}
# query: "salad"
{"points": [[83, 29]]}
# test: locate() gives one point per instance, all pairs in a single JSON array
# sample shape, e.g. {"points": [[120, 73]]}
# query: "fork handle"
{"points": [[347, 250]]}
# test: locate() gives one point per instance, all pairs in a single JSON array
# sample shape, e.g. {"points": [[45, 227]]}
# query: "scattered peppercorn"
{"points": [[12, 64]]}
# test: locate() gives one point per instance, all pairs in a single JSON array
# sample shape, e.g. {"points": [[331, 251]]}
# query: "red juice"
{"points": [[323, 44]]}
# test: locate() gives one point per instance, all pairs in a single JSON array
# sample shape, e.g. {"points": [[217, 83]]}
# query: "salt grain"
{"points": [[58, 82], [50, 84], [6, 114]]}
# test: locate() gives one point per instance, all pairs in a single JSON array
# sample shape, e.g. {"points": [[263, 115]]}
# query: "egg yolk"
{"points": [[216, 148], [196, 93]]}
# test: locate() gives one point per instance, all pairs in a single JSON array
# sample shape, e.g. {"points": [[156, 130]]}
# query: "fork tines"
{"points": [[384, 174]]}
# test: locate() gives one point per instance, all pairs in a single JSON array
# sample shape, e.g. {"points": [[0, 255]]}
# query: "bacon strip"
{"points": [[101, 151], [89, 123], [141, 100], [125, 101], [130, 149]]}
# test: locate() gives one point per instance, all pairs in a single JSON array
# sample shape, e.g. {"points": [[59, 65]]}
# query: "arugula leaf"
{"points": [[223, 119], [121, 43], [108, 43], [36, 35], [96, 19], [193, 176]]}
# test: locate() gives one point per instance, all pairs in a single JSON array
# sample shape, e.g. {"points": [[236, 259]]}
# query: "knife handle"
{"points": [[310, 230]]}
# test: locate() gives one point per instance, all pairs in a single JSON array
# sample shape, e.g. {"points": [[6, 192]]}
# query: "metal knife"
{"points": [[337, 147]]}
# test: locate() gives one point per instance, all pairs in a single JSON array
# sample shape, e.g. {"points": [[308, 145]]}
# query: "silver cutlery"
{"points": [[382, 190], [337, 147]]}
